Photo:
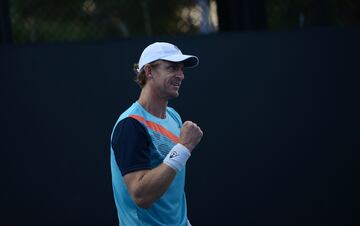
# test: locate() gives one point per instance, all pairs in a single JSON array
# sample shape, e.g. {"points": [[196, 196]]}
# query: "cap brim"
{"points": [[188, 60]]}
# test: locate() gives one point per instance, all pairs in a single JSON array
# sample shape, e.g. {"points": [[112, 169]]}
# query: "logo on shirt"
{"points": [[173, 154]]}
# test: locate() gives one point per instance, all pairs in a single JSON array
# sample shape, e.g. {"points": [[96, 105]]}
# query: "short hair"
{"points": [[140, 77]]}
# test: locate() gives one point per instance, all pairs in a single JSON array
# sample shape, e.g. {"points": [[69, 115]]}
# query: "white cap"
{"points": [[166, 51]]}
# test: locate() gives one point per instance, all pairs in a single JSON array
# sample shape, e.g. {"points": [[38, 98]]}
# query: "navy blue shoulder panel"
{"points": [[130, 143]]}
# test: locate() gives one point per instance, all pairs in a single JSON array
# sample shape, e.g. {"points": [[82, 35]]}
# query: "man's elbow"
{"points": [[142, 202]]}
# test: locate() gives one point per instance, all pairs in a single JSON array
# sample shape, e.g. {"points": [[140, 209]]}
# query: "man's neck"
{"points": [[153, 103]]}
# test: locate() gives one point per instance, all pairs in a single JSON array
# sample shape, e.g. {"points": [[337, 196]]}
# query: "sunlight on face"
{"points": [[167, 78]]}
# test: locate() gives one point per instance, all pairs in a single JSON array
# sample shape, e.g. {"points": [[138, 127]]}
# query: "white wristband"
{"points": [[177, 157]]}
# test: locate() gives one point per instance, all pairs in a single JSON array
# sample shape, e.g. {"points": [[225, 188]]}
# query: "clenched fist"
{"points": [[190, 135]]}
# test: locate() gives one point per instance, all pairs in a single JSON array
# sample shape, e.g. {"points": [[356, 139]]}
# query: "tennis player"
{"points": [[150, 145]]}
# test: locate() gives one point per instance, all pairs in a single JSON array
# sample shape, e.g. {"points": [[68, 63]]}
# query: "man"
{"points": [[150, 145]]}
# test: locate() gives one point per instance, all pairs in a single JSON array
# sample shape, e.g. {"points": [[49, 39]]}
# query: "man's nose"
{"points": [[180, 74]]}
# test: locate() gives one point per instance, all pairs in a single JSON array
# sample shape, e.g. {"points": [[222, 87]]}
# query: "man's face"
{"points": [[167, 78]]}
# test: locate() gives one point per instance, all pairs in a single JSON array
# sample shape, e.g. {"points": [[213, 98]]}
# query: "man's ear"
{"points": [[148, 70]]}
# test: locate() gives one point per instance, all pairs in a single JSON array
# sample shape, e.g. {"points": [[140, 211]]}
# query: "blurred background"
{"points": [[276, 94], [40, 21]]}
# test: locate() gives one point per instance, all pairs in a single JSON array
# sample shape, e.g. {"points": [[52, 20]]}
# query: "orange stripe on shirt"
{"points": [[156, 127]]}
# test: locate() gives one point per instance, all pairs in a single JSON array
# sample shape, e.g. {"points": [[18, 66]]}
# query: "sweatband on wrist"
{"points": [[177, 157]]}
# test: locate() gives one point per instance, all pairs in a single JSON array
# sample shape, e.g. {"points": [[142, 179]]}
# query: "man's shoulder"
{"points": [[173, 114], [171, 110], [125, 117], [132, 110]]}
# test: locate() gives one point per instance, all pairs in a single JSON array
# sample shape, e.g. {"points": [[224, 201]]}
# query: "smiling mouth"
{"points": [[176, 84]]}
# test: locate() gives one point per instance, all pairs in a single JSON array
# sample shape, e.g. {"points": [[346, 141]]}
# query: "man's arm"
{"points": [[147, 186]]}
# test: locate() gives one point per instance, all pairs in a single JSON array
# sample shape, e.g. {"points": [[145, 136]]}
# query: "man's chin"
{"points": [[173, 95]]}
